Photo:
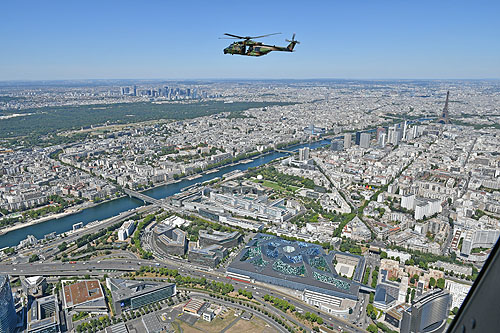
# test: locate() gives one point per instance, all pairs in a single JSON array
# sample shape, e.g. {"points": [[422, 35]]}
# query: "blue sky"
{"points": [[179, 39]]}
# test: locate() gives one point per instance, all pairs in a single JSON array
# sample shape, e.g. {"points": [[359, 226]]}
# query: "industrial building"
{"points": [[134, 294]]}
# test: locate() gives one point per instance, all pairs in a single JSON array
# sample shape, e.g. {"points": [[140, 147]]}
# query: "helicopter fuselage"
{"points": [[251, 48]]}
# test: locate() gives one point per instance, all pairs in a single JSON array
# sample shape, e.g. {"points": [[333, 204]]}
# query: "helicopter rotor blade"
{"points": [[250, 37], [276, 33], [235, 36]]}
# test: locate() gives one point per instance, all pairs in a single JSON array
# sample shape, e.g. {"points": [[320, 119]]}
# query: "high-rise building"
{"points": [[304, 154], [347, 140], [380, 130], [394, 135], [135, 90], [382, 140], [445, 115], [428, 313], [364, 140], [405, 131], [358, 138], [8, 318]]}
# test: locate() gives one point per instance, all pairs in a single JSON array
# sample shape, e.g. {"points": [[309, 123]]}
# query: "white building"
{"points": [[408, 201], [364, 140], [426, 208], [126, 230], [347, 140], [458, 291]]}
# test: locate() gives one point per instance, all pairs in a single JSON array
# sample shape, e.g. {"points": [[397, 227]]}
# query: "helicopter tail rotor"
{"points": [[292, 42]]}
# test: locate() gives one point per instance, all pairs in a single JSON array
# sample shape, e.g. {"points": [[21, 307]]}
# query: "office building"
{"points": [[34, 286], [84, 296], [364, 140], [170, 239], [347, 140], [428, 313], [43, 315], [126, 230], [225, 239], [134, 294], [209, 256], [8, 317]]}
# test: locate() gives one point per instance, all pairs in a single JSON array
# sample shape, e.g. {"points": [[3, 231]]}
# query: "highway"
{"points": [[101, 267]]}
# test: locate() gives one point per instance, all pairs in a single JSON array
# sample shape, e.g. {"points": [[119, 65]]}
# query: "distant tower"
{"points": [[445, 116], [8, 318]]}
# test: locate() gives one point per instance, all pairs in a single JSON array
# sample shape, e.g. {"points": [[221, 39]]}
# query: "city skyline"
{"points": [[375, 41]]}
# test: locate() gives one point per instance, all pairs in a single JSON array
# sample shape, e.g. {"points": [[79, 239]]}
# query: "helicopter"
{"points": [[248, 47]]}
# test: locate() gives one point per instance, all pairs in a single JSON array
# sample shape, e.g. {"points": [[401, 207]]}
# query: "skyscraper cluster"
{"points": [[166, 92]]}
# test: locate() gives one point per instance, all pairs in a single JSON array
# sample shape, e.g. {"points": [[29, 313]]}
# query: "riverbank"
{"points": [[21, 225], [69, 211], [107, 209]]}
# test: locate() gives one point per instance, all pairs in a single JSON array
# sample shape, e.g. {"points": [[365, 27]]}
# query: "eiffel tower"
{"points": [[445, 115]]}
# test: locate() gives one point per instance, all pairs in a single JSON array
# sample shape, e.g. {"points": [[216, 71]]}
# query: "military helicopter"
{"points": [[248, 47]]}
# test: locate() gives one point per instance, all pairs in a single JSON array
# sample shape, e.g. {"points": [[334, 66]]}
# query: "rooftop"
{"points": [[296, 264], [122, 289], [83, 291]]}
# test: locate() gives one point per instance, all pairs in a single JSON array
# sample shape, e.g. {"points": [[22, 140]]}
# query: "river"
{"points": [[115, 207]]}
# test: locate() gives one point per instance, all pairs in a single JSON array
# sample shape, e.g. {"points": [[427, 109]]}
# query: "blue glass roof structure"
{"points": [[292, 264]]}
